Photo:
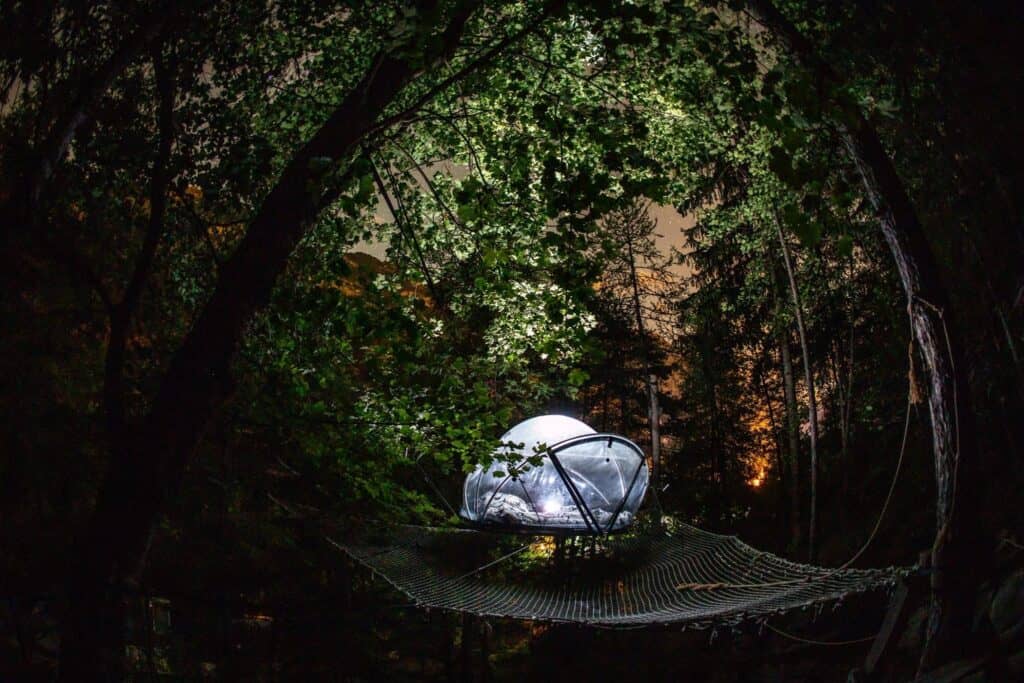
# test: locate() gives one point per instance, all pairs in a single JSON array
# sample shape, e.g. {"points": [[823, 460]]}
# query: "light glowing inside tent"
{"points": [[551, 506], [585, 482]]}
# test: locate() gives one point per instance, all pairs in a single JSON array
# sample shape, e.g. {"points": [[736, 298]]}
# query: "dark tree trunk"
{"points": [[812, 401], [147, 472], [719, 452], [82, 640], [959, 546], [780, 462], [719, 504], [121, 313], [653, 409], [790, 408], [466, 648], [485, 651], [20, 207], [654, 418], [842, 411], [793, 432]]}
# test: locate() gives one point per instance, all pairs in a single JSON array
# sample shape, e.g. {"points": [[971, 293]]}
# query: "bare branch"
{"points": [[401, 220]]}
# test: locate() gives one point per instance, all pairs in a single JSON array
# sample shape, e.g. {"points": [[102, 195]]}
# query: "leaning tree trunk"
{"points": [[147, 470], [812, 401], [958, 546], [792, 420]]}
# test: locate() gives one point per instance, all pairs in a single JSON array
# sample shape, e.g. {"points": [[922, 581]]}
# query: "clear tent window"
{"points": [[585, 482]]}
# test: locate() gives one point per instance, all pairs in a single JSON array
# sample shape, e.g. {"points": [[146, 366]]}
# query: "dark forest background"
{"points": [[263, 264]]}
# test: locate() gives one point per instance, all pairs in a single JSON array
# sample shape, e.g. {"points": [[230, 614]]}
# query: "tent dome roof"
{"points": [[585, 483]]}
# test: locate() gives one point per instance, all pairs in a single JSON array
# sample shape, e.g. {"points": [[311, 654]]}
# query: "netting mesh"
{"points": [[685, 577]]}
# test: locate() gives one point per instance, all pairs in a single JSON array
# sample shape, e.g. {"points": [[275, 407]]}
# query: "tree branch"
{"points": [[472, 66], [401, 221], [433, 190], [148, 473], [123, 310], [55, 145]]}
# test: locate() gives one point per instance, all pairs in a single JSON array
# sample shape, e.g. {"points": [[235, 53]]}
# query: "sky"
{"points": [[670, 232]]}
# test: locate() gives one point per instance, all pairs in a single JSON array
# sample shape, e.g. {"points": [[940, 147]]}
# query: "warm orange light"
{"points": [[758, 459]]}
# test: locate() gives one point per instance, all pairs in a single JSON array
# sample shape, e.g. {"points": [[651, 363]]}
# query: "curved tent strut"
{"points": [[586, 438]]}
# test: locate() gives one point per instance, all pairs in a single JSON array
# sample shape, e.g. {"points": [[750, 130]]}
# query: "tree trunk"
{"points": [[844, 414], [122, 312], [959, 544], [485, 651], [148, 471], [793, 431], [653, 409], [466, 648], [789, 405], [21, 205], [780, 465], [718, 506], [812, 402], [721, 507], [654, 417]]}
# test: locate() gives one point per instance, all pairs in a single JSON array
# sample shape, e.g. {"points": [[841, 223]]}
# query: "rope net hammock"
{"points": [[684, 576], [581, 482]]}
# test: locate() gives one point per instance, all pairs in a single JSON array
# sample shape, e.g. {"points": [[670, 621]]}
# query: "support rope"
{"points": [[431, 484], [857, 555], [799, 639], [497, 561]]}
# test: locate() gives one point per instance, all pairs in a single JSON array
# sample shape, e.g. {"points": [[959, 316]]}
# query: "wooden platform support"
{"points": [[909, 592]]}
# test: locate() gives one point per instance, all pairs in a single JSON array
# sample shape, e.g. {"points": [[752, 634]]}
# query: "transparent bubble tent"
{"points": [[585, 482]]}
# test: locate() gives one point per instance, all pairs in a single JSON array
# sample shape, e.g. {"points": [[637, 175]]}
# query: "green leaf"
{"points": [[466, 212], [365, 191], [809, 233], [781, 164], [578, 377]]}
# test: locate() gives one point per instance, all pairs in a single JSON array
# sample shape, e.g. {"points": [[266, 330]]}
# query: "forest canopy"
{"points": [[275, 261]]}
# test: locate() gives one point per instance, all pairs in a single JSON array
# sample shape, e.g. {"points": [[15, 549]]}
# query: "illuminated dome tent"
{"points": [[585, 483]]}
